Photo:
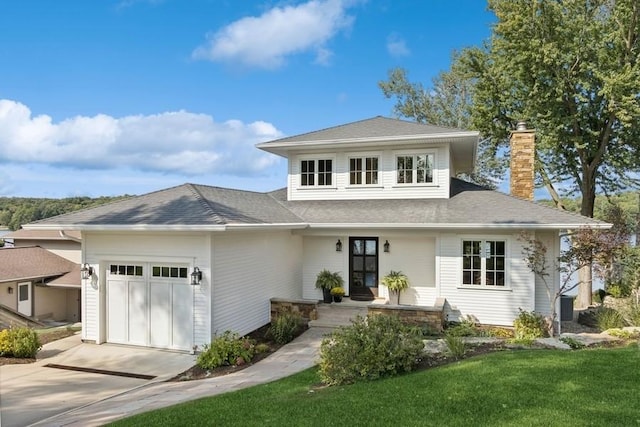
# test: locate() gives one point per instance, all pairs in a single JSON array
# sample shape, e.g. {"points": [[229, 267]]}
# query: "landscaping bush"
{"points": [[19, 342], [227, 350], [609, 318], [465, 328], [456, 347], [285, 327], [529, 325], [372, 347]]}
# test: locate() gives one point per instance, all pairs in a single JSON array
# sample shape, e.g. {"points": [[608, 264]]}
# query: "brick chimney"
{"points": [[522, 161]]}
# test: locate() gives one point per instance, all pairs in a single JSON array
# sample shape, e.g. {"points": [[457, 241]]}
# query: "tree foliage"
{"points": [[15, 211], [570, 68], [447, 103]]}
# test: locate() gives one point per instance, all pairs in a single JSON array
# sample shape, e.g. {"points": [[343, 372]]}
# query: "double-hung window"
{"points": [[483, 263], [315, 173], [415, 168], [363, 170]]}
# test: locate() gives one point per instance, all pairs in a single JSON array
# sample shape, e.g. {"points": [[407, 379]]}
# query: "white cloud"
{"points": [[396, 46], [171, 142], [265, 41]]}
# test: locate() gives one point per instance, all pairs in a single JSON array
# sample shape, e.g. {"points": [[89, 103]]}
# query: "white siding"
{"points": [[248, 270], [543, 305], [415, 257], [184, 248], [411, 254], [387, 187], [490, 306], [319, 254]]}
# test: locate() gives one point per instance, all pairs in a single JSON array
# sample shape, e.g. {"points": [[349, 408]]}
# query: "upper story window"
{"points": [[483, 262], [363, 170], [316, 172], [415, 168]]}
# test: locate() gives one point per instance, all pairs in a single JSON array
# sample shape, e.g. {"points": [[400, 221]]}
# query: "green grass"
{"points": [[524, 388]]}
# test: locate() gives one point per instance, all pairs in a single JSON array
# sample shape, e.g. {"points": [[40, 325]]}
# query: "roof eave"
{"points": [[468, 226], [281, 148]]}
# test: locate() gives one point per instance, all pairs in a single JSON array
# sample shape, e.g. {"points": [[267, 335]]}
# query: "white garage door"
{"points": [[149, 305]]}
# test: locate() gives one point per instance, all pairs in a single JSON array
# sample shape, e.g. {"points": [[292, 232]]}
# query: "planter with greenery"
{"points": [[337, 293], [327, 280], [396, 282]]}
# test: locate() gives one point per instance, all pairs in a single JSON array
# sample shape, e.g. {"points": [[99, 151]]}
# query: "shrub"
{"points": [[226, 350], [372, 347], [500, 332], [285, 327], [618, 290], [19, 342], [633, 315], [261, 348], [624, 334], [456, 347], [572, 342], [529, 325], [465, 328], [609, 318]]}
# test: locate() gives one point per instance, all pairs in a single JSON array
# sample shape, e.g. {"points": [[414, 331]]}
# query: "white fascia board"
{"points": [[461, 226], [177, 227], [120, 227], [279, 147], [285, 226]]}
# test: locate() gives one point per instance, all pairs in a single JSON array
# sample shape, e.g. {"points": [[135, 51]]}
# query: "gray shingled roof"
{"points": [[185, 205], [212, 207], [379, 131], [468, 205], [32, 262], [376, 127]]}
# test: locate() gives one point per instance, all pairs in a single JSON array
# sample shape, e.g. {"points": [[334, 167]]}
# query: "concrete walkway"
{"points": [[300, 354]]}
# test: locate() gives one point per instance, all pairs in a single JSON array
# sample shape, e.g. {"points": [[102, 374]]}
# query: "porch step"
{"points": [[337, 314]]}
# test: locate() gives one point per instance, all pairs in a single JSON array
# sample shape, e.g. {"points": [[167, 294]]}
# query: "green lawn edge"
{"points": [[527, 388]]}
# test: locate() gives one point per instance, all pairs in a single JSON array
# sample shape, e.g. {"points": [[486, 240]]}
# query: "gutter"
{"points": [[66, 236]]}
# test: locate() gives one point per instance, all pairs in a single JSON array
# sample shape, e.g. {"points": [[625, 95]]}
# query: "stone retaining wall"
{"points": [[307, 309], [413, 314]]}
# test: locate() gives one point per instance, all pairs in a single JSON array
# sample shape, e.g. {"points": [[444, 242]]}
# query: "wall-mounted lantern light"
{"points": [[196, 276], [10, 290], [86, 271], [338, 246], [387, 246]]}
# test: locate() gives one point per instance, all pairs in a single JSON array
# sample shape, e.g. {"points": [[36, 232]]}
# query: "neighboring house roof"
{"points": [[202, 207], [23, 234], [32, 262], [67, 280], [382, 131]]}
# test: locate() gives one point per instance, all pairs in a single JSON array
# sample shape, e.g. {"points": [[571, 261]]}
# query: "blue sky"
{"points": [[107, 97]]}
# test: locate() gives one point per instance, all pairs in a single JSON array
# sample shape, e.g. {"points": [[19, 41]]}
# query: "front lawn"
{"points": [[527, 387]]}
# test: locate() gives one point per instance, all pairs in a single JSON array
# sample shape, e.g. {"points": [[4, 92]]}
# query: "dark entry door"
{"points": [[363, 268]]}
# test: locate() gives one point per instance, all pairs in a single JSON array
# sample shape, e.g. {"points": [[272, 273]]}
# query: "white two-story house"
{"points": [[362, 198]]}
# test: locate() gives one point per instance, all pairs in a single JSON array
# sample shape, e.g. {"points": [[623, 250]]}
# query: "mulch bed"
{"points": [[259, 336]]}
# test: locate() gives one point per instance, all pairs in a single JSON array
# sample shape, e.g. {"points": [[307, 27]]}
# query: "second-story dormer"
{"points": [[378, 158]]}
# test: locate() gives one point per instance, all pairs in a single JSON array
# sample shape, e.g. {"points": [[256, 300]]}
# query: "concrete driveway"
{"points": [[80, 374]]}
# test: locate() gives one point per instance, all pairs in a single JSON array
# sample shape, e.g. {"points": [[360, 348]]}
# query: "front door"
{"points": [[24, 298], [363, 268]]}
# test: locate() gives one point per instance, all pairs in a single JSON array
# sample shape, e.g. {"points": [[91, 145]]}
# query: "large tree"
{"points": [[570, 68]]}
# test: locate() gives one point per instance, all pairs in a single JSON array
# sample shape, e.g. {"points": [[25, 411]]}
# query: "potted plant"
{"points": [[395, 281], [327, 280], [338, 293]]}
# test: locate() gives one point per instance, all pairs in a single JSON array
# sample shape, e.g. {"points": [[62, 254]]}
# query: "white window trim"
{"points": [[415, 153], [507, 274], [315, 159], [363, 172]]}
